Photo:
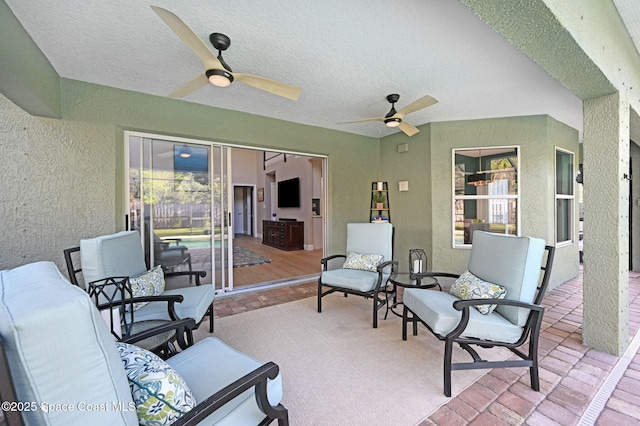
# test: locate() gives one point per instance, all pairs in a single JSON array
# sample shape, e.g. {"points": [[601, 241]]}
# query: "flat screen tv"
{"points": [[289, 193]]}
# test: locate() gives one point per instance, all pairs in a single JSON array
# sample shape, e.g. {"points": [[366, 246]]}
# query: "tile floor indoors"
{"points": [[571, 375]]}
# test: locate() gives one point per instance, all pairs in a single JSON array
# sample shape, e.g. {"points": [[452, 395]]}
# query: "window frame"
{"points": [[571, 197], [455, 197]]}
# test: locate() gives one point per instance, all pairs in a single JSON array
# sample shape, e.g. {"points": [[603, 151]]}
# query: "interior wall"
{"points": [[296, 166]]}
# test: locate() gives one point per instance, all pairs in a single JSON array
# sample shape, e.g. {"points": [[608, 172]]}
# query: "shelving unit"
{"points": [[379, 210]]}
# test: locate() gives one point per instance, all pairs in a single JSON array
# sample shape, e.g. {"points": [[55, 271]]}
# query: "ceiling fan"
{"points": [[395, 118], [217, 72]]}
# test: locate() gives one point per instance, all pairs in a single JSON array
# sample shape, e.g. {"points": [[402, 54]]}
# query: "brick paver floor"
{"points": [[570, 373]]}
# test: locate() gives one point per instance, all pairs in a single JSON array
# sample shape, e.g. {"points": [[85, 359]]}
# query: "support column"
{"points": [[606, 224]]}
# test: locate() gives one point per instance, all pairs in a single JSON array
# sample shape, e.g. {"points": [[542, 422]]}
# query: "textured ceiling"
{"points": [[345, 55], [629, 11]]}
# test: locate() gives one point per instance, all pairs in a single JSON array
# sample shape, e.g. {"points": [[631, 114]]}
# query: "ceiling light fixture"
{"points": [[220, 78], [185, 152], [392, 122]]}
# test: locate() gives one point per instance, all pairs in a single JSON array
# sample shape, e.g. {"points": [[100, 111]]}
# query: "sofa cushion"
{"points": [[60, 350], [150, 283], [436, 309], [371, 238], [468, 286], [160, 394], [512, 262], [197, 300], [363, 262], [114, 255], [354, 279], [210, 365]]}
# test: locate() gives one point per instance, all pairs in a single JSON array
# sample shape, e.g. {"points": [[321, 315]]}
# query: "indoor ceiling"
{"points": [[347, 56]]}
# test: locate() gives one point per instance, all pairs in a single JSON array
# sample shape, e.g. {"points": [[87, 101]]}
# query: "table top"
{"points": [[405, 279]]}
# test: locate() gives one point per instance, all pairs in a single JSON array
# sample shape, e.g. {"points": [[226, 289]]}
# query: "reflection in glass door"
{"points": [[178, 202], [223, 249]]}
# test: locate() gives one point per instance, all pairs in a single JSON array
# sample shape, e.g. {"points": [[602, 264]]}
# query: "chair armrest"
{"points": [[171, 300], [197, 274], [257, 378], [325, 261], [183, 327], [171, 240], [383, 265], [464, 304]]}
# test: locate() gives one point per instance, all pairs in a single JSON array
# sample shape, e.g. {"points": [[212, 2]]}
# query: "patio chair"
{"points": [[113, 298], [167, 252], [497, 304], [366, 266], [121, 255], [60, 365]]}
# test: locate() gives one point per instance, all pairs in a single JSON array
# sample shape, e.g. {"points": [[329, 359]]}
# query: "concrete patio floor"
{"points": [[578, 385]]}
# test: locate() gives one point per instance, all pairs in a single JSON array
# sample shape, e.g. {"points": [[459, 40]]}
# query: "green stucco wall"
{"points": [[410, 210], [536, 137], [26, 75], [81, 149]]}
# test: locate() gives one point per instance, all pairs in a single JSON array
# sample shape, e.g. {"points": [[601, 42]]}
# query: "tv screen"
{"points": [[289, 193]]}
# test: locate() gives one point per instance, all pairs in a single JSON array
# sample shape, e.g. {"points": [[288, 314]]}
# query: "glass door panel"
{"points": [[178, 202], [220, 206]]}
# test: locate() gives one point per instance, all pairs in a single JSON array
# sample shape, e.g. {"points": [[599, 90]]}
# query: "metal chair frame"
{"points": [[530, 331]]}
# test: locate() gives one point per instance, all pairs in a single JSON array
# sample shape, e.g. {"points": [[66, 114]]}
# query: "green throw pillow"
{"points": [[363, 262], [160, 394], [468, 286], [150, 283]]}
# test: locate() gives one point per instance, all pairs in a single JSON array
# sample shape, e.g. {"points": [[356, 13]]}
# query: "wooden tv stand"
{"points": [[283, 234]]}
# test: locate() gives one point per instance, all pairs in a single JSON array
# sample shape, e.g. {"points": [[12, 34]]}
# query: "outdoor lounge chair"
{"points": [[60, 365], [366, 268], [121, 255], [167, 252], [513, 263]]}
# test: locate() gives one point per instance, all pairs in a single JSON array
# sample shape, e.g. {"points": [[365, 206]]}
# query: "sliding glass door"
{"points": [[179, 202]]}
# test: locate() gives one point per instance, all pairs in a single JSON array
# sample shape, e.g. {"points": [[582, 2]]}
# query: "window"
{"points": [[485, 194], [564, 196]]}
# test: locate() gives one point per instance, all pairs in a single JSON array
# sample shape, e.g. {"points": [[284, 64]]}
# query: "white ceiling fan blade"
{"points": [[277, 88], [361, 121], [421, 103], [408, 128], [189, 87], [189, 37]]}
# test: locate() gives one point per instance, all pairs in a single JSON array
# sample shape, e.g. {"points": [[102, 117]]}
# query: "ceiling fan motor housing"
{"points": [[219, 41]]}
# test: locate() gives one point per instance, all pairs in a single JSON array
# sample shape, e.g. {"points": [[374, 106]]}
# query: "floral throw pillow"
{"points": [[468, 286], [150, 283], [363, 262], [160, 394]]}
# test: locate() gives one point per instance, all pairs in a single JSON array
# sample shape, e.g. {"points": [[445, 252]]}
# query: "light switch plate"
{"points": [[403, 185]]}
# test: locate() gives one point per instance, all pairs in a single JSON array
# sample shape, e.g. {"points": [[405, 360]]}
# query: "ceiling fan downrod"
{"points": [[392, 122]]}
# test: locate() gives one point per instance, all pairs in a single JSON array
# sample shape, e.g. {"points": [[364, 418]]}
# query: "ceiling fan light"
{"points": [[185, 152], [220, 78], [392, 122]]}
